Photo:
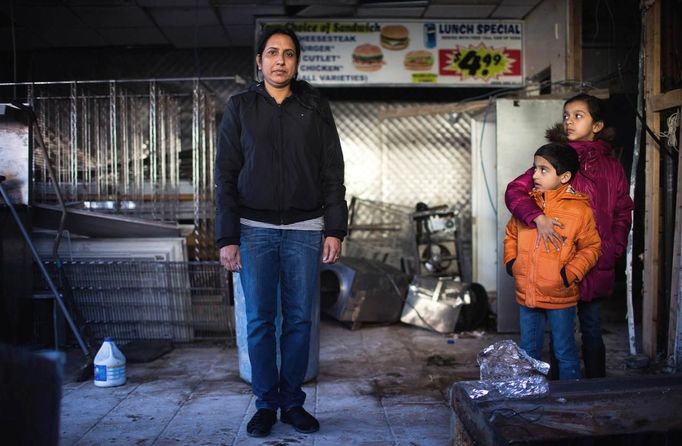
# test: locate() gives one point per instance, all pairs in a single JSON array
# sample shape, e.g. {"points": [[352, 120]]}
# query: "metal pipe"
{"points": [[98, 153], [106, 96], [235, 78], [87, 159], [57, 141], [113, 142], [163, 147], [174, 145], [73, 136], [153, 145], [125, 145], [138, 152]]}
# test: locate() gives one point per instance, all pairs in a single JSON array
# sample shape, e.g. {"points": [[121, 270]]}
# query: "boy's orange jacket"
{"points": [[538, 273]]}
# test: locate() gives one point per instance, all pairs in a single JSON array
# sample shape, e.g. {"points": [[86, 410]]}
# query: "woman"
{"points": [[280, 206]]}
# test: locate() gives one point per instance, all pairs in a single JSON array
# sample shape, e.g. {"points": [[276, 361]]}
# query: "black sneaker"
{"points": [[301, 420], [261, 423]]}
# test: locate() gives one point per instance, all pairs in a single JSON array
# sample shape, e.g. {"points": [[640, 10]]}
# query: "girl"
{"points": [[601, 177]]}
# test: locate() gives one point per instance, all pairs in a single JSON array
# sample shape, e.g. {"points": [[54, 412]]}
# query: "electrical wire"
{"points": [[613, 27], [596, 22], [480, 157]]}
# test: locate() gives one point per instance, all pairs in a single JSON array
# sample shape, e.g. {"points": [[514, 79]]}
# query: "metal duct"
{"points": [[362, 290]]}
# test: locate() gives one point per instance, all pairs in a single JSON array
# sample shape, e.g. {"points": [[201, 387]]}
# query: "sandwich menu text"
{"points": [[369, 52]]}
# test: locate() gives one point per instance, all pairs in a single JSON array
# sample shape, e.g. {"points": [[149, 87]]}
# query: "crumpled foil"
{"points": [[508, 372]]}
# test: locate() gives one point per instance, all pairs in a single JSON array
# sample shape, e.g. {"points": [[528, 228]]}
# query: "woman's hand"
{"points": [[230, 258], [331, 250], [546, 232]]}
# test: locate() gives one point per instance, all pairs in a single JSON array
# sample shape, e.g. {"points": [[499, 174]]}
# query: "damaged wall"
{"points": [[545, 40]]}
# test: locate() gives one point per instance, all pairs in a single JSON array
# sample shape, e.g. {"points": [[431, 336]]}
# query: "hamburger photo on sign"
{"points": [[368, 57], [419, 60], [394, 37]]}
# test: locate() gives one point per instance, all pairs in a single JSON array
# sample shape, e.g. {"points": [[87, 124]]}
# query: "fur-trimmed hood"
{"points": [[557, 133], [588, 151]]}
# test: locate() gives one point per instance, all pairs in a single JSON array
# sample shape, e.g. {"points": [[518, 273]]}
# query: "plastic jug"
{"points": [[110, 365]]}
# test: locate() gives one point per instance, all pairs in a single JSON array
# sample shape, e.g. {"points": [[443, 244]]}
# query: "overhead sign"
{"points": [[458, 53]]}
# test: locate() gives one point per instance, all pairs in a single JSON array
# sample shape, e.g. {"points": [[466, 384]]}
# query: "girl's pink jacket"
{"points": [[602, 179]]}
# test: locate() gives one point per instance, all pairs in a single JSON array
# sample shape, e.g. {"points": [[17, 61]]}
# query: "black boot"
{"points": [[594, 357]]}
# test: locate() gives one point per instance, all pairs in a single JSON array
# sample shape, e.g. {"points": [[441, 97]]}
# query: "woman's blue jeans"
{"points": [[289, 259], [562, 325]]}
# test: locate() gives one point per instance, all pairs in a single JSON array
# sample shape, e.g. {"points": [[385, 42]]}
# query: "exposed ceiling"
{"points": [[36, 24]]}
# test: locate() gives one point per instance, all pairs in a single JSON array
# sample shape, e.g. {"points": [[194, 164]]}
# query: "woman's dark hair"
{"points": [[561, 156], [594, 105], [269, 32]]}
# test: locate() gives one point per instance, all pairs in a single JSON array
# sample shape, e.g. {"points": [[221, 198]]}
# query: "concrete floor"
{"points": [[377, 385]]}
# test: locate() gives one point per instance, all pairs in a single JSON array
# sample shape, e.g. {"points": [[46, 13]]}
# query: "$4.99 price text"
{"points": [[480, 62]]}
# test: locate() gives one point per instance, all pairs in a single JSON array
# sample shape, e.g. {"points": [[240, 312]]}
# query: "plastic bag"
{"points": [[508, 372]]}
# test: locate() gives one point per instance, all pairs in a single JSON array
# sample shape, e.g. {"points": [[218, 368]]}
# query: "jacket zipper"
{"points": [[530, 295], [280, 149]]}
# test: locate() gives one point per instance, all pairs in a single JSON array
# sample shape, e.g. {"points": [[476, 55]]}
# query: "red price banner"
{"points": [[479, 62]]}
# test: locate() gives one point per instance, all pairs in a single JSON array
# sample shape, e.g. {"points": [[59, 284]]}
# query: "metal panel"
{"points": [[427, 159], [406, 160], [400, 161], [91, 224], [546, 40], [159, 249], [362, 290], [484, 198], [521, 128], [358, 127]]}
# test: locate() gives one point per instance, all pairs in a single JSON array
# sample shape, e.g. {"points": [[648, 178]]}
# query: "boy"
{"points": [[546, 281]]}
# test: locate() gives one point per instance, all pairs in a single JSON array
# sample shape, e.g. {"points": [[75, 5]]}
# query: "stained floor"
{"points": [[377, 385]]}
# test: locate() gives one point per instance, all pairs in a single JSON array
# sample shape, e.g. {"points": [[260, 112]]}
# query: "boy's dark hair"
{"points": [[269, 32], [561, 156], [594, 105]]}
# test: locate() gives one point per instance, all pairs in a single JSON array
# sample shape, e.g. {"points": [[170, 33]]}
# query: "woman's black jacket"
{"points": [[278, 164]]}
